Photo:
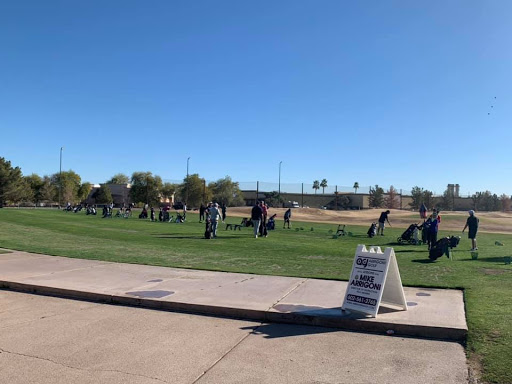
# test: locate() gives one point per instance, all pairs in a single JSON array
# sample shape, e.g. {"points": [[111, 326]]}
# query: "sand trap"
{"points": [[497, 222]]}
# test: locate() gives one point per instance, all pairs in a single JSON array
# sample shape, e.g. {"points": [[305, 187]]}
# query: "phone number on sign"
{"points": [[361, 300]]}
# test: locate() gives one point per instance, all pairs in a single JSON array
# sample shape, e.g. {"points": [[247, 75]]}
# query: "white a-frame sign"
{"points": [[375, 279]]}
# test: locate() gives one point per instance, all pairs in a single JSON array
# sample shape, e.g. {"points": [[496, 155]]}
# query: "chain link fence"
{"points": [[306, 188]]}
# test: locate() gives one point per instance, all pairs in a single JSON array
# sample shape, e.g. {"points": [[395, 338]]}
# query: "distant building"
{"points": [[454, 190], [120, 194]]}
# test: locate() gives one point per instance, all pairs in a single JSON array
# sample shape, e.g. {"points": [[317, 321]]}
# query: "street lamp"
{"points": [[60, 176], [186, 193], [280, 178]]}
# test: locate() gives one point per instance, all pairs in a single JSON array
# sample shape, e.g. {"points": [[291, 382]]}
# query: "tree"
{"points": [[323, 184], [477, 200], [193, 187], [69, 183], [356, 186], [417, 197], [227, 192], [391, 200], [118, 178], [168, 191], [11, 183], [47, 190], [273, 199], [103, 195], [490, 202], [35, 183], [505, 203], [376, 199], [83, 191], [316, 185], [146, 188], [447, 201], [496, 203], [428, 198]]}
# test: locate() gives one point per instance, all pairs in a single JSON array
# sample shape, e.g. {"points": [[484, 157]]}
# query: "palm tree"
{"points": [[323, 184], [356, 186], [316, 185]]}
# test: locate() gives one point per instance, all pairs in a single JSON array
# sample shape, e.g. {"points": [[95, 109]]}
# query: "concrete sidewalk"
{"points": [[48, 340], [434, 313]]}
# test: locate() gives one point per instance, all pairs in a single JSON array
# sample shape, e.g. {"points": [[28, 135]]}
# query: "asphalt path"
{"points": [[53, 340]]}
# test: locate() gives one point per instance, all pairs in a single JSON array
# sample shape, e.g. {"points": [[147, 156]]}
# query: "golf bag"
{"points": [[208, 230], [246, 222], [410, 235], [179, 217], [373, 230], [271, 223], [106, 212], [443, 246]]}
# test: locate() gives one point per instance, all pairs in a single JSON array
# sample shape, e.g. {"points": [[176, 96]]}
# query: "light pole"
{"points": [[186, 194], [280, 178], [60, 175]]}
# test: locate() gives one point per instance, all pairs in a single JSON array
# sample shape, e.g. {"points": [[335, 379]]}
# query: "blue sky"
{"points": [[379, 92]]}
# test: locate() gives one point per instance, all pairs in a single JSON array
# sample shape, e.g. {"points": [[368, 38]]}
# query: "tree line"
{"points": [[67, 186], [481, 201]]}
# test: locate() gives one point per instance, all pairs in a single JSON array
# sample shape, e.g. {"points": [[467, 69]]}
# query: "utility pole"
{"points": [[186, 193], [280, 178], [336, 194], [60, 176], [204, 191]]}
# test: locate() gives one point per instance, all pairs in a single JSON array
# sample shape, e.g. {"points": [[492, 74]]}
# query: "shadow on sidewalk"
{"points": [[274, 331]]}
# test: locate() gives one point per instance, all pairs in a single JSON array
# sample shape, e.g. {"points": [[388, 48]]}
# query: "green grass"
{"points": [[487, 281]]}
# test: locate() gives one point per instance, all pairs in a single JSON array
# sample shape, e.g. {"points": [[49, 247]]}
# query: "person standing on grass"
{"points": [[223, 209], [382, 219], [202, 208], [256, 217], [287, 218], [472, 223], [263, 226], [433, 229], [215, 217]]}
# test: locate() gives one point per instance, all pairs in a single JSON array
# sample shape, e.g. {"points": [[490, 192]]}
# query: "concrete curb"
{"points": [[346, 323]]}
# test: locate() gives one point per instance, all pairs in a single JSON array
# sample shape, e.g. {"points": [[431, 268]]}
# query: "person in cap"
{"points": [[472, 224], [215, 217]]}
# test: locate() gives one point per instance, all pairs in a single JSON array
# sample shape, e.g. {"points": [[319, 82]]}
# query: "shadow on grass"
{"points": [[500, 260], [422, 261], [410, 251], [199, 237]]}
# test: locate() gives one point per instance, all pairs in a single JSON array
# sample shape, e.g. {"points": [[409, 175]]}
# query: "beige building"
{"points": [[120, 194]]}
